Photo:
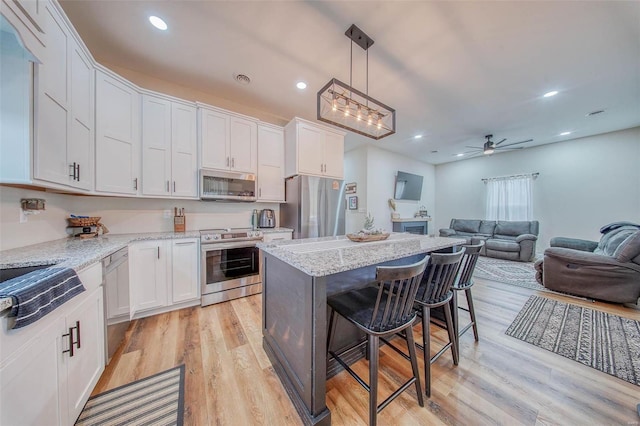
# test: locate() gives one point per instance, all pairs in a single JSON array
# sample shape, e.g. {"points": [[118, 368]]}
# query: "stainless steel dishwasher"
{"points": [[115, 275]]}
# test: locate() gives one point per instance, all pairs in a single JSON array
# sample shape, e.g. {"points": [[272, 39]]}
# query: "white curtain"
{"points": [[509, 198]]}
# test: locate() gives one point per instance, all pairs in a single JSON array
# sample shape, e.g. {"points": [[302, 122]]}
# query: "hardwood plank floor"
{"points": [[500, 380]]}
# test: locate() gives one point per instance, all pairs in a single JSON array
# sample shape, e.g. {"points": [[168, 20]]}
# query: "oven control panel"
{"points": [[219, 235]]}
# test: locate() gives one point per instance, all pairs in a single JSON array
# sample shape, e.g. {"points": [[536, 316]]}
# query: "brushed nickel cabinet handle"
{"points": [[227, 161], [158, 252], [77, 327], [233, 163], [167, 186], [135, 183], [70, 336], [73, 171], [174, 186], [78, 168]]}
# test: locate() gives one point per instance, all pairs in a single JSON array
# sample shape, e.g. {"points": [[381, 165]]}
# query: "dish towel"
{"points": [[39, 292]]}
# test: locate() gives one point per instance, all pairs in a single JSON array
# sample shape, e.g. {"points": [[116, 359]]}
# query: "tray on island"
{"points": [[361, 238]]}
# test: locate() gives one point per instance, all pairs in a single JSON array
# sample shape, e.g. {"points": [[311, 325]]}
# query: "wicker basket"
{"points": [[83, 221], [360, 238]]}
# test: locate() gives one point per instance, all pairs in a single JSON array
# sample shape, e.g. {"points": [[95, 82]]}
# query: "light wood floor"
{"points": [[500, 380]]}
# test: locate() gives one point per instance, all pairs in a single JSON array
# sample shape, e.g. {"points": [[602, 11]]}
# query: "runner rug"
{"points": [[603, 341], [155, 400]]}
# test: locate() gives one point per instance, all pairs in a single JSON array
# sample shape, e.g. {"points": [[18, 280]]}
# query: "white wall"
{"points": [[120, 215], [380, 169], [583, 184], [355, 171]]}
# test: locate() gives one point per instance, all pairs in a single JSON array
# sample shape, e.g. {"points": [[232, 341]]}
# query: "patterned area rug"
{"points": [[520, 274], [156, 400], [606, 342]]}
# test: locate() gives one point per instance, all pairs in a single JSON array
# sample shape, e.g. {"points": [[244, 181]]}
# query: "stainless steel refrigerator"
{"points": [[314, 206]]}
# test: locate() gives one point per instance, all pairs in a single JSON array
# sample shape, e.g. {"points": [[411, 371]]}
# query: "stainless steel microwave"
{"points": [[227, 186]]}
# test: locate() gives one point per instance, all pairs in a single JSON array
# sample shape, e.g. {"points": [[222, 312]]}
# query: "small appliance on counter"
{"points": [[267, 219]]}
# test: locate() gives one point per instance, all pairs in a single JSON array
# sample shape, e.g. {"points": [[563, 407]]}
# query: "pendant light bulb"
{"points": [[346, 110], [359, 117], [369, 120], [379, 122]]}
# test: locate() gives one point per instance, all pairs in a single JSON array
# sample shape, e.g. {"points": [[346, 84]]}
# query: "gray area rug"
{"points": [[155, 400], [520, 274], [603, 341]]}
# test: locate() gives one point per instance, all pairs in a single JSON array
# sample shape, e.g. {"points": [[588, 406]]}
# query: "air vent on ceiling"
{"points": [[242, 79], [592, 113]]}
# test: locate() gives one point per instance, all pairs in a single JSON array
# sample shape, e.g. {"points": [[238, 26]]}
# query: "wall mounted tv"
{"points": [[408, 187]]}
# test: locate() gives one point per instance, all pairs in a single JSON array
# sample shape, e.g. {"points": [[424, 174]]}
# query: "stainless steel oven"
{"points": [[230, 264]]}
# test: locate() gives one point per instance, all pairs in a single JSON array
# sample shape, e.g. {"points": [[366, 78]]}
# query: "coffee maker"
{"points": [[267, 219]]}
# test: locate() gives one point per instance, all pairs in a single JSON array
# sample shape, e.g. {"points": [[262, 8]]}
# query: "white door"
{"points": [[117, 136], [310, 150], [184, 148], [334, 155], [214, 138], [87, 363], [186, 283], [243, 145], [156, 146], [52, 104], [149, 263]]}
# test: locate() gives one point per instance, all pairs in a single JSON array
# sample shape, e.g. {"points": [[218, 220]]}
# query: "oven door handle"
{"points": [[224, 246]]}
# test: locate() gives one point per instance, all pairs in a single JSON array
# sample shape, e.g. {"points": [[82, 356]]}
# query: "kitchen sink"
{"points": [[7, 274]]}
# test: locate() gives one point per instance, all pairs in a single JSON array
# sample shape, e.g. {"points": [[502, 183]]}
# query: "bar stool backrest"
{"points": [[397, 290], [469, 261], [439, 277]]}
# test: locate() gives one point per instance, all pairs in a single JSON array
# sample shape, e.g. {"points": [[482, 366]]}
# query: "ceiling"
{"points": [[454, 71]]}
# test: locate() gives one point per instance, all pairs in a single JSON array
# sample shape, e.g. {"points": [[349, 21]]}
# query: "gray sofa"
{"points": [[608, 270], [511, 240]]}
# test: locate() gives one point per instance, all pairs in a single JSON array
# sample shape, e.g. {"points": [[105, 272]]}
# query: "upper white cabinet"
{"points": [[169, 148], [117, 135], [26, 16], [311, 149], [227, 141], [64, 119], [270, 163]]}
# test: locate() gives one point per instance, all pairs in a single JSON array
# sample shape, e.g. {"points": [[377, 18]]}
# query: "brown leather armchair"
{"points": [[608, 270]]}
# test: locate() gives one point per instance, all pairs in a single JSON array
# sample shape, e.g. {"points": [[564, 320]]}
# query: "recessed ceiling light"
{"points": [[158, 23], [301, 85], [565, 133], [417, 137], [549, 94], [460, 155]]}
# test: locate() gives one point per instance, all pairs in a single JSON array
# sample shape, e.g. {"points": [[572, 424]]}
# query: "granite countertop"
{"points": [[274, 230], [329, 255]]}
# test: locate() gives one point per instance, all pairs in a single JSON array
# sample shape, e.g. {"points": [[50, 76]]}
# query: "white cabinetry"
{"points": [[227, 141], [63, 143], [169, 148], [41, 380], [117, 135], [270, 163], [276, 236], [315, 150], [163, 274]]}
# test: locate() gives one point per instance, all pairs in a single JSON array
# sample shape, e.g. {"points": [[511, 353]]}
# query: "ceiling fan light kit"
{"points": [[343, 106]]}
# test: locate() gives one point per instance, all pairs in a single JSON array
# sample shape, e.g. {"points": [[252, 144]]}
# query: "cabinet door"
{"points": [[214, 137], [156, 146], [310, 150], [270, 164], [52, 104], [184, 158], [34, 10], [30, 384], [117, 292], [334, 155], [117, 136], [243, 145], [148, 275], [186, 282], [87, 363], [81, 138]]}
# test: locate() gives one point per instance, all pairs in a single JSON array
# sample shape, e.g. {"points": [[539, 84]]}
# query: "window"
{"points": [[509, 198]]}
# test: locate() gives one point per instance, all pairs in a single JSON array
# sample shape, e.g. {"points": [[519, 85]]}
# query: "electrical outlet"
{"points": [[167, 214], [23, 217]]}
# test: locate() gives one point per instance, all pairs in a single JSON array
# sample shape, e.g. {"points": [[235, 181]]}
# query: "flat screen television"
{"points": [[408, 187]]}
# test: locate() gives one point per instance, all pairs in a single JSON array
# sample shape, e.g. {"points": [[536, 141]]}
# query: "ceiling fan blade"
{"points": [[498, 143], [505, 148], [516, 143]]}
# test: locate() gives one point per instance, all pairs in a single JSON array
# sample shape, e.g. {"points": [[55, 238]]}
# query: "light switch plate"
{"points": [[167, 214]]}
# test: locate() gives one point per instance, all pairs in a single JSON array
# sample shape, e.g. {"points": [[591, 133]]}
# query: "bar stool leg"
{"points": [[472, 312], [453, 337], [373, 379], [411, 345], [426, 352]]}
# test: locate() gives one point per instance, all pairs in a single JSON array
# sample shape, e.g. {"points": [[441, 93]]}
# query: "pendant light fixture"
{"points": [[341, 105]]}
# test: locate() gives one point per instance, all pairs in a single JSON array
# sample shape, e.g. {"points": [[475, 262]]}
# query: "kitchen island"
{"points": [[298, 276]]}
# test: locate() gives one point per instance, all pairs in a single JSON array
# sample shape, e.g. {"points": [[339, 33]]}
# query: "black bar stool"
{"points": [[381, 311], [464, 283], [436, 290]]}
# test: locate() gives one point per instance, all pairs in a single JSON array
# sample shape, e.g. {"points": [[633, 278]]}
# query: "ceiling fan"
{"points": [[490, 146]]}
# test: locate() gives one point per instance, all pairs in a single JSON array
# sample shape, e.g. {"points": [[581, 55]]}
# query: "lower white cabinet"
{"points": [[275, 236], [42, 379], [162, 273]]}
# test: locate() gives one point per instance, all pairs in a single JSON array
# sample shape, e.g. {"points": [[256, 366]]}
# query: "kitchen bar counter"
{"points": [[298, 276]]}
